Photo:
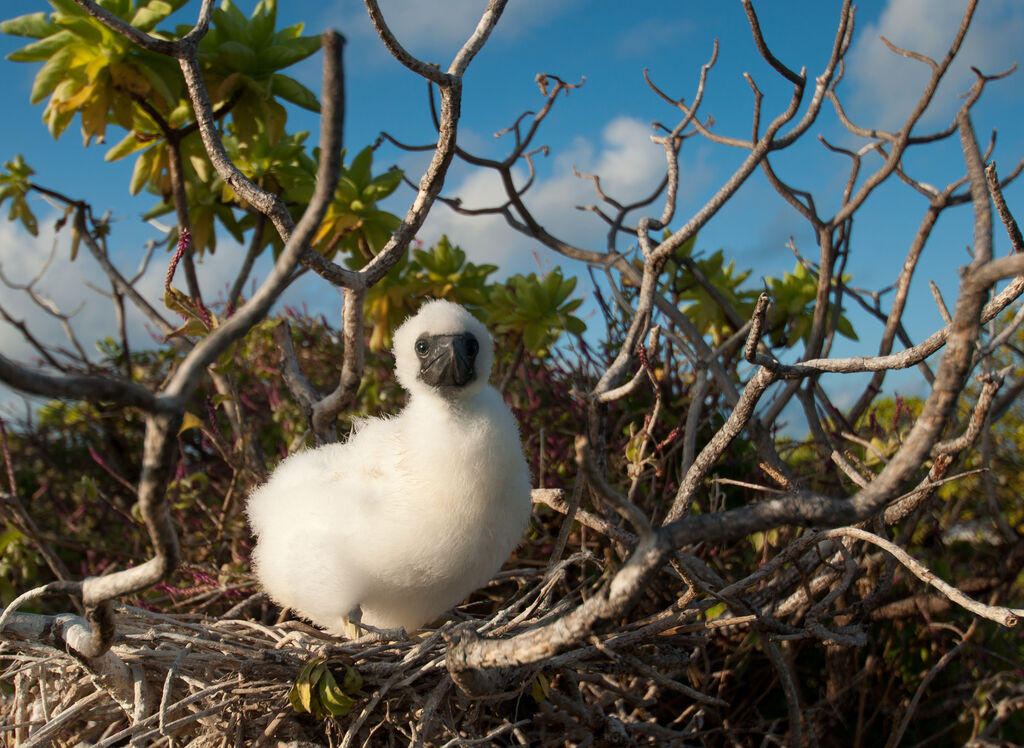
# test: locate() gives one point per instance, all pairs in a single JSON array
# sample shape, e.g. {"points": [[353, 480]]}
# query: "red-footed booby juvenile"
{"points": [[413, 512]]}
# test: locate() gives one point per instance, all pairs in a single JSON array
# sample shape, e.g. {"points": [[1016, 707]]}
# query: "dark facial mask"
{"points": [[447, 360]]}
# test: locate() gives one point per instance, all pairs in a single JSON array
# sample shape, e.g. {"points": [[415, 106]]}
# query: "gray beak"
{"points": [[447, 360]]}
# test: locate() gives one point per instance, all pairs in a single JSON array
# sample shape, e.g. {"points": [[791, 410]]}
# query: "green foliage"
{"points": [[538, 309], [885, 427], [793, 296], [282, 167], [353, 222], [241, 58], [92, 71], [703, 309], [441, 272], [532, 311], [15, 186], [445, 274], [316, 690], [19, 561]]}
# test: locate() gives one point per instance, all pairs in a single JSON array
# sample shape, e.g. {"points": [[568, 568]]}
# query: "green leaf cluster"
{"points": [[794, 295], [533, 310], [700, 305], [18, 561], [14, 186], [93, 71], [241, 58], [316, 691], [353, 223], [441, 272], [537, 308]]}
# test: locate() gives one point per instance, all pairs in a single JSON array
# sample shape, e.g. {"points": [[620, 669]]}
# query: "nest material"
{"points": [[196, 680], [209, 682]]}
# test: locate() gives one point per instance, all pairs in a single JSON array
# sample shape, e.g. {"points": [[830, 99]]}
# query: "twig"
{"points": [[1004, 616]]}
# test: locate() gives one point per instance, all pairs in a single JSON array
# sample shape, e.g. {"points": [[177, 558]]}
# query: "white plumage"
{"points": [[413, 512]]}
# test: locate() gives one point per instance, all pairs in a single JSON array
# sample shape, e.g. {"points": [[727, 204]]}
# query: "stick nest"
{"points": [[198, 680]]}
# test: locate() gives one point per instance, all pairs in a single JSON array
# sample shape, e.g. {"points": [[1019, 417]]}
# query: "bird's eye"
{"points": [[472, 347], [422, 346]]}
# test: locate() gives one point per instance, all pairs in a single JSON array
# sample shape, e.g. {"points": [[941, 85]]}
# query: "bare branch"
{"points": [[352, 364], [994, 188], [794, 78], [296, 242], [100, 388], [620, 503], [183, 46], [1004, 616]]}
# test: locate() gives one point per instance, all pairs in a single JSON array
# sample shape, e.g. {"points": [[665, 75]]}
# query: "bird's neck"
{"points": [[455, 408]]}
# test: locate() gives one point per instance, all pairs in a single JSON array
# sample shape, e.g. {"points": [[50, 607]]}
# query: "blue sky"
{"points": [[602, 127]]}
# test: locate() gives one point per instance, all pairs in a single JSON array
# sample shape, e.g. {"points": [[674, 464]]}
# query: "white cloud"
{"points": [[23, 256], [630, 167], [887, 86]]}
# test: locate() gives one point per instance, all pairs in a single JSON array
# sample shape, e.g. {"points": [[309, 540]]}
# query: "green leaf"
{"points": [[288, 53], [160, 209], [289, 32], [129, 144], [262, 22], [359, 170], [87, 30], [141, 172], [228, 22], [715, 611], [148, 16], [540, 688], [238, 56], [121, 8], [302, 692], [43, 49], [332, 698], [353, 680], [35, 25], [534, 337], [686, 248], [8, 537], [190, 421], [180, 303], [845, 328], [274, 118], [158, 73], [51, 74], [383, 185], [575, 325], [294, 92], [67, 7]]}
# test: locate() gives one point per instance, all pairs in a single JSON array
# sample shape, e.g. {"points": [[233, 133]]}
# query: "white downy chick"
{"points": [[414, 512]]}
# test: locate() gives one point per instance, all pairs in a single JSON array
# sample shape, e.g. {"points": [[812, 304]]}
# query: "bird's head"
{"points": [[445, 349]]}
